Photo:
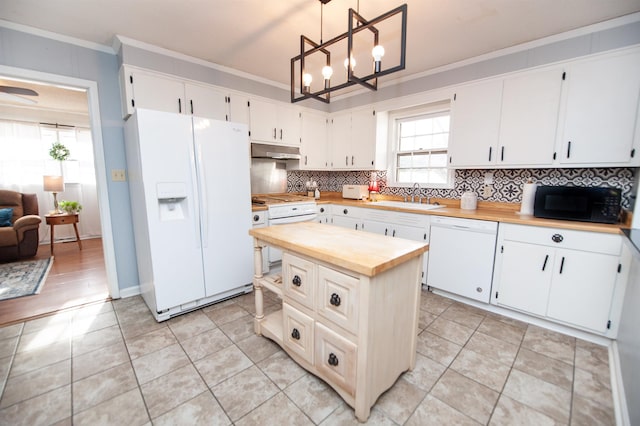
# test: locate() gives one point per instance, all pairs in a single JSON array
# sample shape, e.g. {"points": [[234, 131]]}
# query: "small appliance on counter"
{"points": [[588, 204], [355, 192]]}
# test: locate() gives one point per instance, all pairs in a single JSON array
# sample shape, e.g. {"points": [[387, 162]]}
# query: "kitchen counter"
{"points": [[362, 252]]}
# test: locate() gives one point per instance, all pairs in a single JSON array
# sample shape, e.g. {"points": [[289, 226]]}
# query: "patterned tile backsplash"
{"points": [[507, 183]]}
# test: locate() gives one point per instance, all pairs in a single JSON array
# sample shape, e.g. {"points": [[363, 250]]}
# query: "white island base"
{"points": [[350, 304]]}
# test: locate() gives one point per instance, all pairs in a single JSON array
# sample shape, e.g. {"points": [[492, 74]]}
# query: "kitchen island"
{"points": [[350, 304]]}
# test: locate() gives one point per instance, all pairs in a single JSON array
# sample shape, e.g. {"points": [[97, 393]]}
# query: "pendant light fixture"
{"points": [[301, 73]]}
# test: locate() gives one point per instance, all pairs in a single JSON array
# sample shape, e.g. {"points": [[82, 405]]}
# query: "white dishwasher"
{"points": [[461, 254]]}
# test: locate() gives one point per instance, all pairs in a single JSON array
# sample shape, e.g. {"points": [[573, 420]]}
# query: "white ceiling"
{"points": [[259, 37]]}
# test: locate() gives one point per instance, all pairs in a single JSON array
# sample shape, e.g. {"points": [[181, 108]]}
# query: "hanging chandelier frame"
{"points": [[370, 81]]}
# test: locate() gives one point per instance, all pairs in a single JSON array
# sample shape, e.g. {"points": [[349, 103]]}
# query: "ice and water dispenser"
{"points": [[172, 200]]}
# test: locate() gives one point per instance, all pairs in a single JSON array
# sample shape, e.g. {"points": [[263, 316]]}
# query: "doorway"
{"points": [[77, 277]]}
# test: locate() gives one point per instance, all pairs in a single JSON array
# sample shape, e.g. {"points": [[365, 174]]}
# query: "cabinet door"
{"points": [[601, 110], [206, 102], [475, 123], [298, 278], [582, 288], [158, 93], [377, 227], [238, 109], [289, 123], [363, 139], [525, 277], [340, 140], [528, 125], [313, 148], [346, 222], [416, 234], [264, 118], [336, 358]]}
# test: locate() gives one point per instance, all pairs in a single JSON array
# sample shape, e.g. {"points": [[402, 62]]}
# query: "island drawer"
{"points": [[298, 332], [336, 358], [338, 298], [298, 279]]}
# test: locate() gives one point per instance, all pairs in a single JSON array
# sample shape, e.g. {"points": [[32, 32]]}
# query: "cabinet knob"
{"points": [[345, 211], [296, 281], [333, 359], [557, 238], [335, 300], [295, 334], [321, 209], [256, 218]]}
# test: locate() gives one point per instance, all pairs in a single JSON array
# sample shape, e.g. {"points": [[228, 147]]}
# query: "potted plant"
{"points": [[70, 207]]}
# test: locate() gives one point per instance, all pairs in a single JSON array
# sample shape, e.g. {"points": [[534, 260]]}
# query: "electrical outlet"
{"points": [[487, 191], [118, 175], [488, 178]]}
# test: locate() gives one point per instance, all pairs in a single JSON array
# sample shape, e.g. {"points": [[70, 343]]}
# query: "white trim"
{"points": [[99, 160], [55, 36], [126, 41], [617, 387], [130, 291]]}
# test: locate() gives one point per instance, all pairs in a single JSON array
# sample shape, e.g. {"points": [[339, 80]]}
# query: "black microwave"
{"points": [[588, 204]]}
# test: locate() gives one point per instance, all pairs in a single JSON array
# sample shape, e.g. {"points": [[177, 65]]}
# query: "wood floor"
{"points": [[77, 277]]}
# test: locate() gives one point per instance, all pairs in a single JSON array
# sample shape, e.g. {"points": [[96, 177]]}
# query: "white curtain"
{"points": [[24, 160]]}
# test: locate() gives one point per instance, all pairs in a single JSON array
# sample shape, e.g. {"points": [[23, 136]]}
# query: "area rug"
{"points": [[23, 278]]}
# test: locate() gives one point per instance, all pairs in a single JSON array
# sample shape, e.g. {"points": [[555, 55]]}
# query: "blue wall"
{"points": [[27, 51]]}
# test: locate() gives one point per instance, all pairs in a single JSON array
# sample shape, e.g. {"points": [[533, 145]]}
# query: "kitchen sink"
{"points": [[407, 205]]}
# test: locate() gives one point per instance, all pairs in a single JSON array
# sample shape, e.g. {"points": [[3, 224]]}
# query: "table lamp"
{"points": [[54, 184]]}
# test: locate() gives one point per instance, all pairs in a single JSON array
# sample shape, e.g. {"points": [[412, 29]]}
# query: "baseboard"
{"points": [[129, 291], [617, 387]]}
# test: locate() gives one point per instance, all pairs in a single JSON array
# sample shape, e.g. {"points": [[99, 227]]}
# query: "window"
{"points": [[420, 139]]}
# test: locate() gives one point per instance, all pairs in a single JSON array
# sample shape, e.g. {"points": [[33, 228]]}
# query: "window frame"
{"points": [[397, 116]]}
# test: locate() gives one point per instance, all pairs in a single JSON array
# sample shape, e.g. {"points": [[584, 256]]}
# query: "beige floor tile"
{"points": [[550, 343], [36, 382], [437, 348], [258, 348], [133, 312], [203, 344], [314, 397], [226, 313], [11, 331], [147, 343], [450, 330], [53, 335], [483, 370], [509, 412], [464, 315], [501, 330], [102, 359], [96, 340], [143, 325], [281, 369], [346, 416], [492, 348], [92, 310], [401, 400], [425, 319], [279, 410], [159, 363], [33, 360], [86, 324], [506, 320], [244, 392], [592, 357], [202, 410], [8, 346], [465, 395], [171, 390], [586, 412], [58, 320], [223, 364], [434, 303], [433, 412], [548, 369], [549, 399], [593, 386], [239, 329], [46, 409], [189, 325], [125, 409], [5, 365], [425, 374], [96, 389]]}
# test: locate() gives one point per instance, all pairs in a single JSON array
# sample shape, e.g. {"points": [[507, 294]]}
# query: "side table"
{"points": [[63, 219]]}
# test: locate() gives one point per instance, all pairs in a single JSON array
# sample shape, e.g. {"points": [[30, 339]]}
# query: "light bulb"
{"points": [[327, 72], [353, 63], [377, 52], [306, 81]]}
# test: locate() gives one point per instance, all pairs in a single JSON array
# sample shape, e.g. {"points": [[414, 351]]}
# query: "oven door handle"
{"points": [[293, 219]]}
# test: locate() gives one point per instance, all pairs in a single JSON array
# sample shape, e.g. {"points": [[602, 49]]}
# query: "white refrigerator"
{"points": [[190, 195]]}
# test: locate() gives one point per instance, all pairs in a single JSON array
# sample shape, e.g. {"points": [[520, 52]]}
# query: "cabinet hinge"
{"points": [[131, 79], [133, 103], [449, 158], [454, 96], [633, 152], [496, 294], [248, 103], [609, 325], [226, 117], [501, 249], [564, 75], [249, 132], [619, 267]]}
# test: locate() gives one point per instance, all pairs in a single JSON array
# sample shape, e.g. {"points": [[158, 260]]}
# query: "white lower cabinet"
{"points": [[568, 276]]}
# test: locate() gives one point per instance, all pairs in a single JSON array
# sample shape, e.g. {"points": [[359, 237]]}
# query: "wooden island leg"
{"points": [[257, 287]]}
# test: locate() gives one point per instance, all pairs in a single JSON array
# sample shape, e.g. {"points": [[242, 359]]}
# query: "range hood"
{"points": [[276, 152]]}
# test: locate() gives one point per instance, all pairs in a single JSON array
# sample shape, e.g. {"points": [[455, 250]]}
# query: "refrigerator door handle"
{"points": [[202, 188]]}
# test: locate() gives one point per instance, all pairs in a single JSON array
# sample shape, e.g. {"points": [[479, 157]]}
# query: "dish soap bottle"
{"points": [[317, 194]]}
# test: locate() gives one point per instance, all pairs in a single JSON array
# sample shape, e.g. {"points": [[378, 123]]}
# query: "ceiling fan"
{"points": [[17, 94]]}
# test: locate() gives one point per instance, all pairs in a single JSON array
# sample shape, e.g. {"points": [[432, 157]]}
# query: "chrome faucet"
{"points": [[413, 193]]}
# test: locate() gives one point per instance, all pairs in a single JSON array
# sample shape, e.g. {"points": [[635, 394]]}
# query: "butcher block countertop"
{"points": [[362, 252]]}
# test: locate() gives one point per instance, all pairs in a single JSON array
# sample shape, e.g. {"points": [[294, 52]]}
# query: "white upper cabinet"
{"points": [[601, 111], [154, 92], [529, 118], [273, 122], [353, 139], [203, 101], [314, 149], [340, 140], [475, 124], [238, 108]]}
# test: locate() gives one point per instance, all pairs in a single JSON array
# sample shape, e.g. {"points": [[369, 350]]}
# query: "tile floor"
{"points": [[114, 364]]}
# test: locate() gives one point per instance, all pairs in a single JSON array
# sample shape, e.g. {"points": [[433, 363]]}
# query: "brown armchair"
{"points": [[21, 239]]}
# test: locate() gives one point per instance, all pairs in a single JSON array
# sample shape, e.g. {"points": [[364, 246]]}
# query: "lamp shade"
{"points": [[53, 183]]}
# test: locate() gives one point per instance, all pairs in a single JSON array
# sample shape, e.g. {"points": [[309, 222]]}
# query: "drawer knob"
{"points": [[321, 209], [295, 334], [333, 359], [256, 218], [296, 281], [557, 238], [345, 211], [335, 300]]}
